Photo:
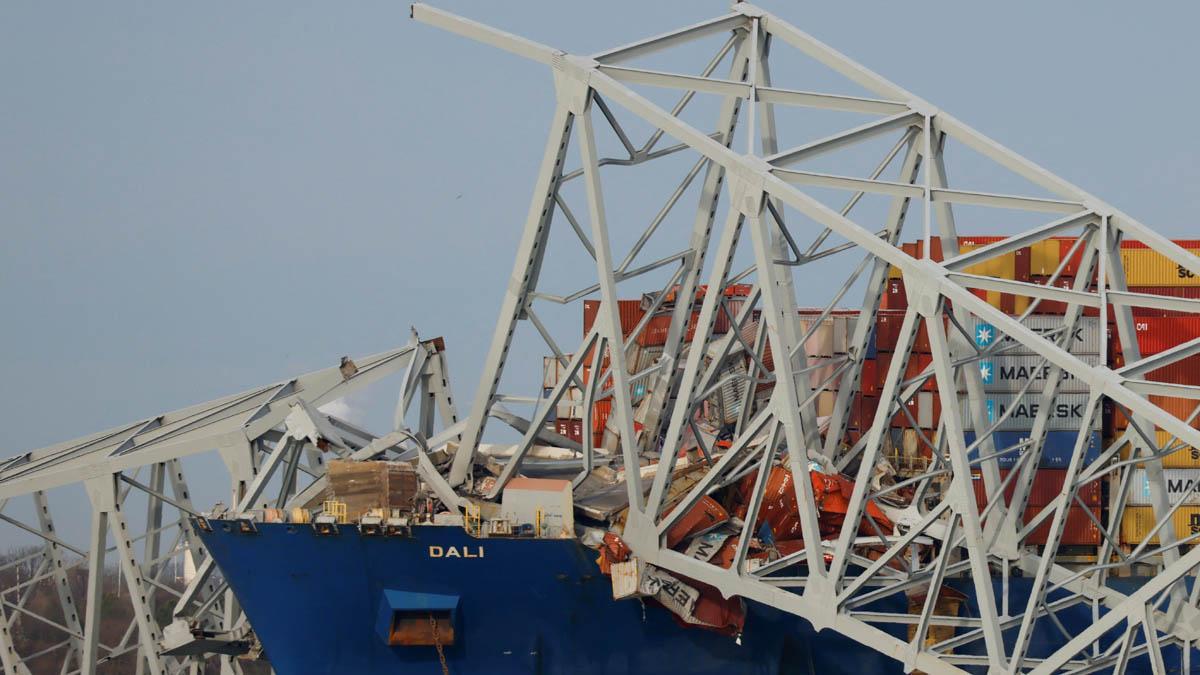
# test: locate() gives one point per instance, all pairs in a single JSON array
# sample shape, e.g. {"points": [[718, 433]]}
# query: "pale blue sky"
{"points": [[199, 198]]}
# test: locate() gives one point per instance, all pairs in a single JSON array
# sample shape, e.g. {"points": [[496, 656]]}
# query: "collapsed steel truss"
{"points": [[268, 438], [272, 441], [769, 197]]}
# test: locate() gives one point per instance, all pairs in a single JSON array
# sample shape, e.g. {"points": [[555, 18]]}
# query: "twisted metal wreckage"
{"points": [[275, 438]]}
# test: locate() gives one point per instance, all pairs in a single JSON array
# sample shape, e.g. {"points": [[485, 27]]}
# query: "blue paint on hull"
{"points": [[526, 606]]}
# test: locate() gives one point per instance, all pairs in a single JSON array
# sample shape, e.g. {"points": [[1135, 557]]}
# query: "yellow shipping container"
{"points": [[1186, 458], [1137, 521], [1044, 256], [1001, 267], [1145, 267]]}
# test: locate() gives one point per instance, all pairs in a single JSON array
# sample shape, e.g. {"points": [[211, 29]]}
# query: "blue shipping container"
{"points": [[1056, 454]]}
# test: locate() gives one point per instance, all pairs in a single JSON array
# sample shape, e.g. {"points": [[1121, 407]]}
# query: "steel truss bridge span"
{"points": [[767, 174]]}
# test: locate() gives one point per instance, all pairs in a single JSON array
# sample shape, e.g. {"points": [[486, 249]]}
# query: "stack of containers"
{"points": [[826, 349], [1156, 334], [1158, 330], [1005, 374], [645, 351], [1002, 375], [1079, 530], [1015, 266]]}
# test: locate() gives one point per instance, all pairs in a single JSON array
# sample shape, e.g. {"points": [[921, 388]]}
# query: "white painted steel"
{"points": [[766, 193]]}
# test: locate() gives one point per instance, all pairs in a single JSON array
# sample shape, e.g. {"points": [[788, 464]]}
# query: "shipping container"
{"points": [[630, 311], [571, 403], [571, 428], [1183, 371], [862, 412], [553, 370], [1044, 257], [869, 377], [925, 407], [1066, 412], [1181, 408], [1046, 486], [1156, 334], [1186, 457], [1008, 374], [1057, 449], [894, 295], [887, 329], [1056, 307], [1181, 484], [1078, 530], [1138, 521], [1015, 265], [914, 366], [1146, 267], [1185, 292], [1085, 339], [1065, 244]]}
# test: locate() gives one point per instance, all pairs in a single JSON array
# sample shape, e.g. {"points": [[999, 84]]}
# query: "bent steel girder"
{"points": [[774, 199], [272, 442]]}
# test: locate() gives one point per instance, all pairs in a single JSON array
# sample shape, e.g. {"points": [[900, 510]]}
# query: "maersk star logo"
{"points": [[984, 334], [986, 372], [991, 411]]}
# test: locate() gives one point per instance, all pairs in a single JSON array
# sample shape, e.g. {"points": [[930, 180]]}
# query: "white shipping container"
{"points": [[626, 577], [820, 343], [1009, 373], [1085, 339], [646, 357], [570, 406], [553, 370], [730, 392], [1066, 411], [1180, 484]]}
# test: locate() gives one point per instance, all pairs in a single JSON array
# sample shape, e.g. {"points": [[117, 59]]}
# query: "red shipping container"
{"points": [[1052, 306], [571, 428], [859, 405], [1047, 483], [1186, 292], [1079, 530], [1190, 244], [887, 332], [1183, 371], [1064, 247], [928, 419], [630, 311], [866, 407], [600, 411], [894, 296], [720, 325], [731, 291], [887, 329], [655, 333], [1178, 407], [1022, 264], [1157, 334], [869, 379], [917, 363]]}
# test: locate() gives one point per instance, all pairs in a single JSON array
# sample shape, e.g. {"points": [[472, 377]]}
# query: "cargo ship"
{"points": [[678, 489], [337, 601], [391, 585]]}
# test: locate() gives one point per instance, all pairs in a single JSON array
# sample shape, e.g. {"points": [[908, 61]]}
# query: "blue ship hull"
{"points": [[522, 606]]}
